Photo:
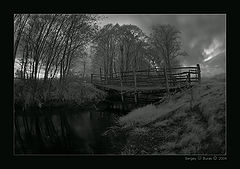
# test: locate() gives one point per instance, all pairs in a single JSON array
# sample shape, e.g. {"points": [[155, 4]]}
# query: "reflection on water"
{"points": [[65, 131]]}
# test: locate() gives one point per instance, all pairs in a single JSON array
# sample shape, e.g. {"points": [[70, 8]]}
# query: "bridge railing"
{"points": [[150, 77]]}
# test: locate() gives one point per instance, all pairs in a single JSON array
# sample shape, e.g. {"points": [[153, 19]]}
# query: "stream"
{"points": [[63, 131]]}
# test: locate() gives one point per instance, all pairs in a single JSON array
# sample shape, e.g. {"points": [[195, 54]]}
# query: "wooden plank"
{"points": [[187, 67], [147, 82]]}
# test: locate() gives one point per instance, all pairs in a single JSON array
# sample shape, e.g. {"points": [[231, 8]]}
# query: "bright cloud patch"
{"points": [[213, 50]]}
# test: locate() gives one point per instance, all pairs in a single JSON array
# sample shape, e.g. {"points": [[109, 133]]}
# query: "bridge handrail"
{"points": [[159, 73], [152, 70]]}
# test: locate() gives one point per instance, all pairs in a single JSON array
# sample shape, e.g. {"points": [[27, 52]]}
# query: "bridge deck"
{"points": [[138, 83], [138, 89]]}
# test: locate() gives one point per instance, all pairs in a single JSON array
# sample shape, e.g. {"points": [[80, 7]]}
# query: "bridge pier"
{"points": [[135, 97]]}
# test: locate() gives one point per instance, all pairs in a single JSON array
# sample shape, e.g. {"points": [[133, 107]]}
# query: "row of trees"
{"points": [[124, 48], [50, 43], [118, 48]]}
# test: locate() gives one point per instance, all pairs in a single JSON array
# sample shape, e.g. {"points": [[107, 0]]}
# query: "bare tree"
{"points": [[20, 21], [166, 40], [49, 43], [116, 48]]}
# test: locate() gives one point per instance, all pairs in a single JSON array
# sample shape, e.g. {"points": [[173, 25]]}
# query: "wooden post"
{"points": [[189, 77], [166, 80], [199, 73]]}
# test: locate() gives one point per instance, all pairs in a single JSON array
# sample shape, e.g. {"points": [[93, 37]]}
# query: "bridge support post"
{"points": [[189, 77], [166, 81], [135, 97], [199, 73]]}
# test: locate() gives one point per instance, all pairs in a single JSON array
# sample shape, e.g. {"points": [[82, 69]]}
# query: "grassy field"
{"points": [[190, 122]]}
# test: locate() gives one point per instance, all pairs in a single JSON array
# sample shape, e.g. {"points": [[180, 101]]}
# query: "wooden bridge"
{"points": [[134, 84]]}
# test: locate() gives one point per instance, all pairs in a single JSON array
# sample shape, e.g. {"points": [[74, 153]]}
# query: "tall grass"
{"points": [[73, 91], [149, 113]]}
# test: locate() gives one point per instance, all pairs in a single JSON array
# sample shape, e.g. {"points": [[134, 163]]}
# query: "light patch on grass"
{"points": [[139, 131], [161, 123], [140, 115], [180, 114], [149, 113]]}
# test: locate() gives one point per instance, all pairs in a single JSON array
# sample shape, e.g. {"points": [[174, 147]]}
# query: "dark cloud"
{"points": [[203, 36]]}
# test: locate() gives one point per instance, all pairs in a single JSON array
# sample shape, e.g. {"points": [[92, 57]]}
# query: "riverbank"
{"points": [[190, 122], [73, 93]]}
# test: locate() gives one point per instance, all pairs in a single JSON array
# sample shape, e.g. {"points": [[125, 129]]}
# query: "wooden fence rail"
{"points": [[161, 77], [149, 75]]}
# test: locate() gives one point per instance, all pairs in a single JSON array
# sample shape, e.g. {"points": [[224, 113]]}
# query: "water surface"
{"points": [[63, 131]]}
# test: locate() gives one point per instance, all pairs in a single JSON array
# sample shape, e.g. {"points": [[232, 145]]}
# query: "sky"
{"points": [[203, 36]]}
